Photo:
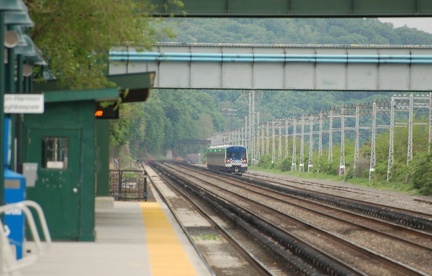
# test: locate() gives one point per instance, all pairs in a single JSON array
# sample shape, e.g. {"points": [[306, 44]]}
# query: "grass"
{"points": [[364, 182], [209, 237]]}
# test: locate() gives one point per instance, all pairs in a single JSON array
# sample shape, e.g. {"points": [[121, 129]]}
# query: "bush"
{"points": [[285, 165], [265, 162], [421, 174], [323, 166]]}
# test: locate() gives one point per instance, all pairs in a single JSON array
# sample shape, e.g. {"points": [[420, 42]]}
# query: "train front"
{"points": [[236, 159]]}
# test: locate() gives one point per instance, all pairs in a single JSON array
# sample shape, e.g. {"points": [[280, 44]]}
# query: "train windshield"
{"points": [[236, 153]]}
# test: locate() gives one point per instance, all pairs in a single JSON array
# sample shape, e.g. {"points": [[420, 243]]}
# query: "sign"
{"points": [[24, 103]]}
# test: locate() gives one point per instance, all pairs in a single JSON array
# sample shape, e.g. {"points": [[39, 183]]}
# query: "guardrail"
{"points": [[273, 58], [8, 261]]}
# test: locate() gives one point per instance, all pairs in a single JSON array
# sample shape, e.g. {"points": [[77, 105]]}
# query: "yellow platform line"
{"points": [[167, 256]]}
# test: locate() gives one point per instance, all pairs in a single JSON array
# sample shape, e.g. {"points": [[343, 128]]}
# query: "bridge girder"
{"points": [[281, 67], [295, 8]]}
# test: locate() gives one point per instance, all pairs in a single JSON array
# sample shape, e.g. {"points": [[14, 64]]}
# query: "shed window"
{"points": [[55, 152]]}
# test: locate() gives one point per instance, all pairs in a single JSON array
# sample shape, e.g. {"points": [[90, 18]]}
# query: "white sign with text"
{"points": [[24, 103]]}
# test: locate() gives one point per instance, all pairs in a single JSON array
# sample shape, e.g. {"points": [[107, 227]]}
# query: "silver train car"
{"points": [[231, 159]]}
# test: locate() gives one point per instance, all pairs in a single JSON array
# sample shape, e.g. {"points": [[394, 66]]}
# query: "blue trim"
{"points": [[269, 58]]}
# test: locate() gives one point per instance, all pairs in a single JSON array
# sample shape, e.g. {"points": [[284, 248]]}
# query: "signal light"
{"points": [[104, 111], [99, 113]]}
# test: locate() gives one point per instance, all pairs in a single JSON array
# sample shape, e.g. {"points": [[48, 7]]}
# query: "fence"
{"points": [[128, 185]]}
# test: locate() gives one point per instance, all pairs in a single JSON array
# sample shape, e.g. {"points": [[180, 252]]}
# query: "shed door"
{"points": [[57, 188]]}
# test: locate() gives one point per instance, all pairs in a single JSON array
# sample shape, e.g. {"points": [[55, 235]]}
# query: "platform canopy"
{"points": [[132, 87]]}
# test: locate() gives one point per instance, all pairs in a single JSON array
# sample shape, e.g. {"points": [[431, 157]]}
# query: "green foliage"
{"points": [[324, 166], [127, 174], [76, 36], [285, 164], [163, 121], [294, 31], [415, 177], [265, 162], [421, 173]]}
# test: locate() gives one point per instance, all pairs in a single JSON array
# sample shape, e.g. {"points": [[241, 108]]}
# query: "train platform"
{"points": [[132, 238]]}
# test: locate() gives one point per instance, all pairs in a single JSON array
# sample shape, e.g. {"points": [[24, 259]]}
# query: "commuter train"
{"points": [[232, 159]]}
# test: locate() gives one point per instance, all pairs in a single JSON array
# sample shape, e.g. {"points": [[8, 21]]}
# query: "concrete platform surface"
{"points": [[126, 243]]}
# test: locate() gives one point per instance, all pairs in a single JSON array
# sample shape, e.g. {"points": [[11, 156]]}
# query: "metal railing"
{"points": [[9, 263], [128, 185]]}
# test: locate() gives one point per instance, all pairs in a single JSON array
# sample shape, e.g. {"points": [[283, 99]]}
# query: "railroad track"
{"points": [[333, 258], [218, 228], [315, 186], [416, 220]]}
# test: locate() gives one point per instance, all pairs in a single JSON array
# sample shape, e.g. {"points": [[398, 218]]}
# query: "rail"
{"points": [[9, 263]]}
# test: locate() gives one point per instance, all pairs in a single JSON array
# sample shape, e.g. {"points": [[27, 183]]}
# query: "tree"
{"points": [[75, 36]]}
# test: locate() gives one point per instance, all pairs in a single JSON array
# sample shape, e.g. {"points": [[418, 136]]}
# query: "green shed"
{"points": [[62, 142], [70, 146]]}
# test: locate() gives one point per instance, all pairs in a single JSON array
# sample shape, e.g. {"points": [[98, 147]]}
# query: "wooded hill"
{"points": [[294, 31]]}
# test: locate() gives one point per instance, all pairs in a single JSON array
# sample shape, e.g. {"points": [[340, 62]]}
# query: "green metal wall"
{"points": [[102, 158], [66, 196]]}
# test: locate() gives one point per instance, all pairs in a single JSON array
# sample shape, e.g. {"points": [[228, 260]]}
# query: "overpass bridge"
{"points": [[294, 8], [280, 67]]}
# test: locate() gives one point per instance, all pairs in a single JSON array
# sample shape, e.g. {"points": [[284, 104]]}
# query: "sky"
{"points": [[420, 23]]}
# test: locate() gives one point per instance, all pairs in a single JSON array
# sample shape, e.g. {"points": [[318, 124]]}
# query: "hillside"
{"points": [[293, 31], [280, 104], [170, 116]]}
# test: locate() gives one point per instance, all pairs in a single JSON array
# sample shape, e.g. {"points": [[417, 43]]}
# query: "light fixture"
{"points": [[27, 70], [11, 39]]}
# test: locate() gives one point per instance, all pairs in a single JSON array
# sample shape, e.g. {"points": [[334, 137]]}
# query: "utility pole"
{"points": [[414, 102], [320, 134], [330, 153], [245, 132], [273, 142], [342, 143], [280, 141], [410, 129], [372, 154], [286, 138], [268, 139], [263, 140], [301, 166], [311, 126], [249, 131], [230, 113], [357, 136], [259, 152], [294, 150], [430, 124], [252, 124], [391, 139]]}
